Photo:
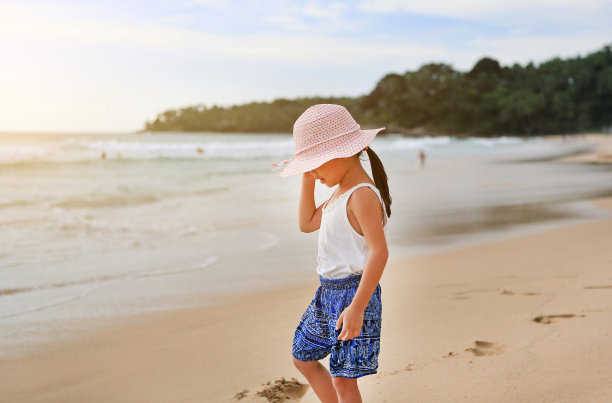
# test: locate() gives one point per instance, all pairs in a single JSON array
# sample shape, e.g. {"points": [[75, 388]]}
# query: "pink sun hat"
{"points": [[324, 132]]}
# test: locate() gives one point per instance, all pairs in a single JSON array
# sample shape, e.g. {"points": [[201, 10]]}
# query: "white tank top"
{"points": [[342, 250]]}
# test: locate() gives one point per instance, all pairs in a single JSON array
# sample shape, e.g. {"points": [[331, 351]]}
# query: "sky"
{"points": [[109, 66]]}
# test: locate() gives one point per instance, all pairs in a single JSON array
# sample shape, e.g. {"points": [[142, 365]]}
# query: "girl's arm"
{"points": [[364, 205], [367, 209], [309, 216]]}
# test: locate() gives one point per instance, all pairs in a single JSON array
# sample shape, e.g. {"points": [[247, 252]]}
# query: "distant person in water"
{"points": [[422, 158], [103, 155]]}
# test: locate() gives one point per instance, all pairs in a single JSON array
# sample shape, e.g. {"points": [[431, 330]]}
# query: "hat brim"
{"points": [[340, 147]]}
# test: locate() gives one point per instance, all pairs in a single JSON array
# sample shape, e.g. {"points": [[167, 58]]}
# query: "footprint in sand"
{"points": [[508, 292], [461, 294], [279, 391], [546, 319], [394, 372], [486, 348]]}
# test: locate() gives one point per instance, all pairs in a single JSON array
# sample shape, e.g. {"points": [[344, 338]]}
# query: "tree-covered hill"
{"points": [[557, 96]]}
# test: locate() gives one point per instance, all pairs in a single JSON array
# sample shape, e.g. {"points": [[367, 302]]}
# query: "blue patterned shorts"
{"points": [[316, 335]]}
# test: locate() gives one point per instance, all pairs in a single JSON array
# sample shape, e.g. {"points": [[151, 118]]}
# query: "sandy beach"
{"points": [[523, 319]]}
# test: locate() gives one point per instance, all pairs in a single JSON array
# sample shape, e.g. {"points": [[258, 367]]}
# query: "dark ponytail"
{"points": [[380, 178]]}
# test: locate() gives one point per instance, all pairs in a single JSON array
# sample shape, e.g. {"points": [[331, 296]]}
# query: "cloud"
{"points": [[303, 48], [324, 10], [304, 45], [507, 13], [312, 17], [221, 4]]}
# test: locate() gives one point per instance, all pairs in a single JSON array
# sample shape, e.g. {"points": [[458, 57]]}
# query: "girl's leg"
{"points": [[319, 378], [347, 389]]}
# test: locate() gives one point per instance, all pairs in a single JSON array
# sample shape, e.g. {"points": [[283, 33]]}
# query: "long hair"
{"points": [[380, 178]]}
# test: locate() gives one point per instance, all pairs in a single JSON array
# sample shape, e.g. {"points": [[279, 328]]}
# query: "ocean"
{"points": [[106, 225]]}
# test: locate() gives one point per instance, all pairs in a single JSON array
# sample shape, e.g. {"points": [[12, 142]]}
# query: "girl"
{"points": [[344, 318]]}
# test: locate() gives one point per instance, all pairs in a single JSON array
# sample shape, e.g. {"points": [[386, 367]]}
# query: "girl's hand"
{"points": [[351, 320], [309, 216]]}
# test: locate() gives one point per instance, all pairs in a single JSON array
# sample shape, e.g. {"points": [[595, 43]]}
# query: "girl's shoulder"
{"points": [[364, 200], [362, 193]]}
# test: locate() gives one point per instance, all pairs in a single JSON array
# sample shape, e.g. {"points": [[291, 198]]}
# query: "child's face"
{"points": [[330, 172]]}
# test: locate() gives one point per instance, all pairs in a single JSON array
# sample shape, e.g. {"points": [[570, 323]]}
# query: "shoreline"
{"points": [[213, 353], [601, 155]]}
